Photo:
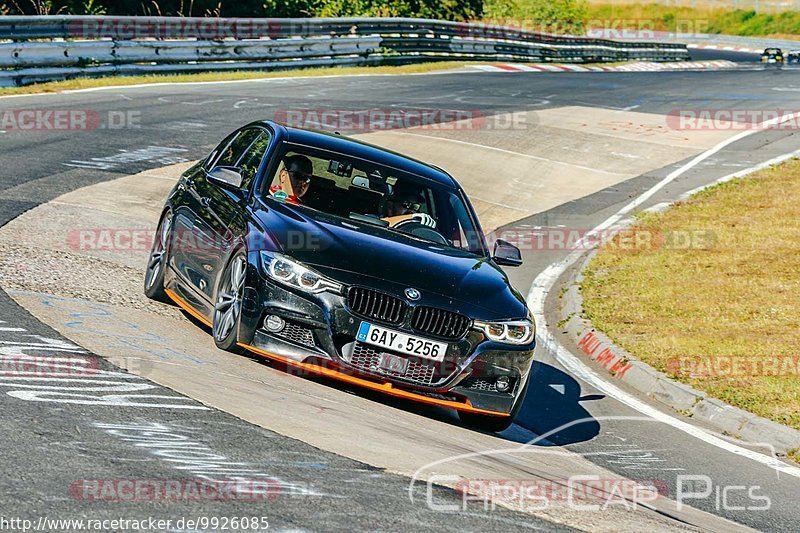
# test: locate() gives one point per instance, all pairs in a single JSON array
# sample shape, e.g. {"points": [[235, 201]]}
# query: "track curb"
{"points": [[586, 341], [634, 66]]}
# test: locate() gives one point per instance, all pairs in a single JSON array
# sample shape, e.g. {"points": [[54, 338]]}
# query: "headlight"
{"points": [[289, 272], [511, 332]]}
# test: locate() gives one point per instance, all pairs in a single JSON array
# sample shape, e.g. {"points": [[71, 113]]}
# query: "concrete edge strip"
{"points": [[726, 47], [622, 365]]}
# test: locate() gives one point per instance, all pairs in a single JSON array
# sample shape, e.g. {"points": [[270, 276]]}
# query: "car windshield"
{"points": [[372, 194]]}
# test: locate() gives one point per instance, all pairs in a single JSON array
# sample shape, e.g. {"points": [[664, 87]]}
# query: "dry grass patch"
{"points": [[722, 316], [706, 17]]}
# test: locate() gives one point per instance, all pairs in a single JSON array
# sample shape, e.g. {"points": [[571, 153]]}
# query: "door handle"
{"points": [[205, 201]]}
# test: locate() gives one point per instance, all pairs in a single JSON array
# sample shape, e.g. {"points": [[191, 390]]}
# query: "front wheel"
{"points": [[489, 423], [495, 424], [228, 308], [157, 262]]}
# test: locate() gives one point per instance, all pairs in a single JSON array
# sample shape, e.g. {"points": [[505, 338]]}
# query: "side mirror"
{"points": [[506, 254], [226, 177]]}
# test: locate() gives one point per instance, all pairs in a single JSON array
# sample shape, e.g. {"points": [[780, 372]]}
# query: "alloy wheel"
{"points": [[156, 262], [229, 300]]}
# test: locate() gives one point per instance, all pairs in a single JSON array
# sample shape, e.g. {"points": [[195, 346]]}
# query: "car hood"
{"points": [[356, 253]]}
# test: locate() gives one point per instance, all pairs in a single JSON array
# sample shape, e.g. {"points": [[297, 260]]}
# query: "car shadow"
{"points": [[552, 410]]}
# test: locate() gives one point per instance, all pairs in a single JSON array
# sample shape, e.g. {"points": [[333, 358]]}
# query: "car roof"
{"points": [[340, 143]]}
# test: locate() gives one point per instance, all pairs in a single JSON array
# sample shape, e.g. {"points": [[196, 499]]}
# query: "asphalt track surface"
{"points": [[48, 446]]}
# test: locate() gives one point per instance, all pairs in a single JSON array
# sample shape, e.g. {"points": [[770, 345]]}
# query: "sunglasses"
{"points": [[299, 176], [408, 204]]}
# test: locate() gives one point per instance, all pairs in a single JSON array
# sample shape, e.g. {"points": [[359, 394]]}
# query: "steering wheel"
{"points": [[412, 227]]}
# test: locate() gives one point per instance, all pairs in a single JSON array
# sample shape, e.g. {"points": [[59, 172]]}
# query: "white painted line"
{"points": [[227, 82], [659, 207], [544, 282], [742, 173]]}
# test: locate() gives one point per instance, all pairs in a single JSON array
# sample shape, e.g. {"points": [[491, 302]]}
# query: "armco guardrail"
{"points": [[714, 39], [56, 47], [737, 41]]}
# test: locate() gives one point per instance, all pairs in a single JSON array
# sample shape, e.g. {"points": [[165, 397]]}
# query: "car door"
{"points": [[186, 250], [222, 208], [201, 222]]}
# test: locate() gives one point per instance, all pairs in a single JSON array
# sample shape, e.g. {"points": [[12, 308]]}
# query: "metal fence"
{"points": [[56, 47], [755, 43]]}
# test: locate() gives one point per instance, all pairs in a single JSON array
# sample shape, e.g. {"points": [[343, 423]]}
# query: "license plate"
{"points": [[397, 341]]}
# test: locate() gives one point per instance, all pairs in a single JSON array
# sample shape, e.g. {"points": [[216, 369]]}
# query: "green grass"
{"points": [[86, 83], [732, 299]]}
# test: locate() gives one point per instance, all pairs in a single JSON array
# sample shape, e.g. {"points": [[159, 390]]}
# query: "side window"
{"points": [[251, 160], [212, 157], [230, 154]]}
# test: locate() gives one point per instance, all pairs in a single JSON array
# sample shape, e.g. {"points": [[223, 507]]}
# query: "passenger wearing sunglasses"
{"points": [[293, 179], [403, 205]]}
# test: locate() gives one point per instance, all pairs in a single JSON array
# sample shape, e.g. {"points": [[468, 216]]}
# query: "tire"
{"points": [[488, 423], [157, 262], [228, 307]]}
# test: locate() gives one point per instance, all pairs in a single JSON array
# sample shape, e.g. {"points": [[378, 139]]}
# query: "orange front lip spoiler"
{"points": [[386, 388]]}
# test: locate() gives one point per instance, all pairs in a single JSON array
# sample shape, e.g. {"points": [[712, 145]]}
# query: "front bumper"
{"points": [[319, 339]]}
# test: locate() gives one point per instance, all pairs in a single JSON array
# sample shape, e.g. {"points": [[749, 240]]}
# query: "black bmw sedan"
{"points": [[342, 259]]}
